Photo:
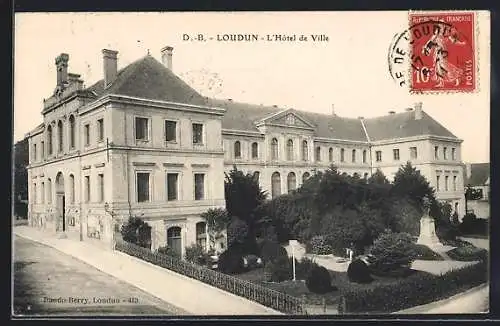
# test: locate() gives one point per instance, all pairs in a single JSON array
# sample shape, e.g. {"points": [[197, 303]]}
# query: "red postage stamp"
{"points": [[442, 47]]}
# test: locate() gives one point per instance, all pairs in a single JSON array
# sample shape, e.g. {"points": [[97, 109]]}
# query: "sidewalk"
{"points": [[471, 301], [188, 294]]}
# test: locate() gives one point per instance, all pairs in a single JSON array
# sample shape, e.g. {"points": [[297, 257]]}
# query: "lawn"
{"points": [[299, 288]]}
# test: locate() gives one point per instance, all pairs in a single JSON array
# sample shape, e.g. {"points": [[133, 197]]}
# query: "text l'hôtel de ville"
{"points": [[256, 37]]}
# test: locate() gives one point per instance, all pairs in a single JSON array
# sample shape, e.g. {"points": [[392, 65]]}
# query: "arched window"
{"points": [[355, 175], [291, 181], [255, 150], [174, 239], [256, 176], [305, 151], [60, 136], [330, 154], [71, 189], [49, 139], [275, 185], [318, 154], [342, 155], [353, 155], [201, 235], [289, 150], [274, 149], [305, 176], [237, 149], [71, 132], [366, 175], [364, 156]]}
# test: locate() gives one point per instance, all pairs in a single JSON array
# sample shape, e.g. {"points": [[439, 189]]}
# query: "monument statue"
{"points": [[428, 234]]}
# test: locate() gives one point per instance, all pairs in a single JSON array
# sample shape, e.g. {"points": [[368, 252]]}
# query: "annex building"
{"points": [[141, 142]]}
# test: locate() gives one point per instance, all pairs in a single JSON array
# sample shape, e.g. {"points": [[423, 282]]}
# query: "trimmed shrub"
{"points": [[271, 250], [279, 270], [136, 231], [423, 252], [359, 272], [197, 255], [231, 260], [473, 225], [319, 280], [418, 289], [392, 251], [303, 267], [318, 246], [468, 253], [168, 251]]}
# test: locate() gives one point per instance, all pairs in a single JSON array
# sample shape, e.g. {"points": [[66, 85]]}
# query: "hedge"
{"points": [[469, 253], [265, 296], [415, 290], [423, 252]]}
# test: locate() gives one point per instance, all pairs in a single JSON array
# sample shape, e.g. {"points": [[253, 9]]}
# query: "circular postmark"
{"points": [[436, 53]]}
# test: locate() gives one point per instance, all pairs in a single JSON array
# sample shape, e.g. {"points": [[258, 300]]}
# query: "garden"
{"points": [[333, 214]]}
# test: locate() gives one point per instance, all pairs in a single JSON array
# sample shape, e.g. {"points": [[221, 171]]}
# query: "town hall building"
{"points": [[141, 142]]}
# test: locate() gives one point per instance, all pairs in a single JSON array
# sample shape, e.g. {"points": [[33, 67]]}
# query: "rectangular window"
{"points": [[172, 188], [413, 153], [342, 155], [42, 149], [170, 131], [87, 188], [445, 153], [43, 193], [353, 155], [378, 156], [87, 134], [100, 130], [446, 183], [395, 154], [454, 183], [34, 194], [197, 133], [101, 187], [34, 152], [142, 187], [437, 183], [364, 156], [199, 186], [436, 152], [141, 128], [453, 154]]}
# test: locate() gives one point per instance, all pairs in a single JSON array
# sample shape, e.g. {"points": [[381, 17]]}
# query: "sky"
{"points": [[349, 72]]}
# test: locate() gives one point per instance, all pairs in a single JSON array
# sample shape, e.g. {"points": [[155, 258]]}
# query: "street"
{"points": [[48, 282]]}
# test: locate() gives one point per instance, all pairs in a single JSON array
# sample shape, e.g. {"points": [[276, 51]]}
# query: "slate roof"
{"points": [[480, 172], [400, 125], [150, 79]]}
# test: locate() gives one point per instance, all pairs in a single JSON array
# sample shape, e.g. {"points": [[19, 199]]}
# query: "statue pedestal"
{"points": [[428, 235]]}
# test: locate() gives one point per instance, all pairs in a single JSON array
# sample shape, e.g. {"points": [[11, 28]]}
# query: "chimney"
{"points": [[333, 110], [418, 110], [409, 109], [110, 64], [62, 69], [361, 118], [166, 56], [74, 81], [392, 112]]}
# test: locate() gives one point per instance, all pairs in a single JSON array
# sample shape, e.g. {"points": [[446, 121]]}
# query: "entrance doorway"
{"points": [[61, 202]]}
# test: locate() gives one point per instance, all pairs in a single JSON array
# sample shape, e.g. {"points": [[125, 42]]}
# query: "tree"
{"points": [[405, 216], [21, 160], [378, 178], [243, 196], [136, 231], [217, 221], [472, 193], [409, 182], [237, 232]]}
